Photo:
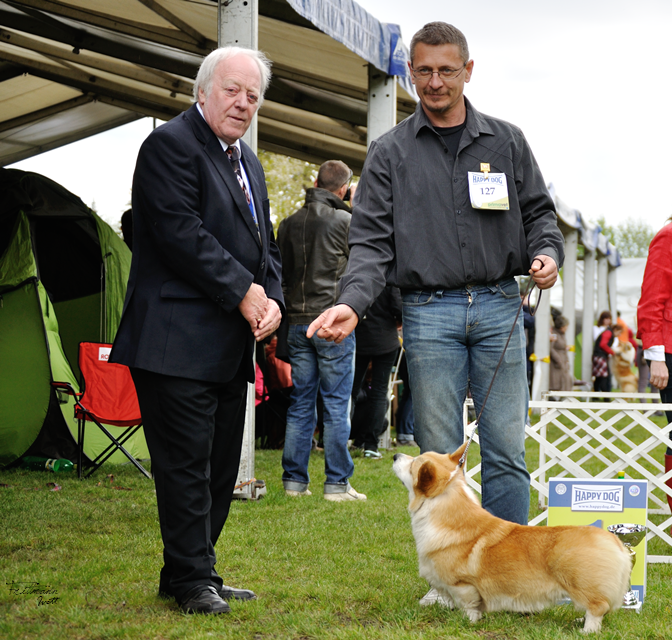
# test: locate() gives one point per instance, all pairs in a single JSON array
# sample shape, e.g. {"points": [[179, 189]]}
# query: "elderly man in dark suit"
{"points": [[205, 284]]}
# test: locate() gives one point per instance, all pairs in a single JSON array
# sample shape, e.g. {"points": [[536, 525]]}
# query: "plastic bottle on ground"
{"points": [[57, 465]]}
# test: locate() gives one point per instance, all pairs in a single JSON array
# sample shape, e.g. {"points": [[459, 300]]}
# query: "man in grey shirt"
{"points": [[450, 207]]}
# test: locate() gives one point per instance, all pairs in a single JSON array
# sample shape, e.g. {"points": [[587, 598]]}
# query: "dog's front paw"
{"points": [[473, 614]]}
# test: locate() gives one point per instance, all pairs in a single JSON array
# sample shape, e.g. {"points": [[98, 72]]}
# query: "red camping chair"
{"points": [[109, 397]]}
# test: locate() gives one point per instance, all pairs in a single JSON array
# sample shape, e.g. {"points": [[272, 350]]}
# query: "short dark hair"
{"points": [[559, 322], [603, 316], [332, 175], [435, 33]]}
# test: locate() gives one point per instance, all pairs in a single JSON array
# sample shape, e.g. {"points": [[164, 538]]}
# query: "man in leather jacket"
{"points": [[313, 243]]}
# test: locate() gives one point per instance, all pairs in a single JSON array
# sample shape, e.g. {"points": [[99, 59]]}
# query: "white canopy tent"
{"points": [[73, 68]]}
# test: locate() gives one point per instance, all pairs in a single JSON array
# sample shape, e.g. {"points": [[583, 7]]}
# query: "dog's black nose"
{"points": [[396, 455]]}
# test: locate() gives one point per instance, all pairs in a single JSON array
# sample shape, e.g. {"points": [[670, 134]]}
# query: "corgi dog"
{"points": [[481, 563]]}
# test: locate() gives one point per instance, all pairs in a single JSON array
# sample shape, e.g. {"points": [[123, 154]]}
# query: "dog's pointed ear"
{"points": [[429, 480], [455, 456], [426, 477]]}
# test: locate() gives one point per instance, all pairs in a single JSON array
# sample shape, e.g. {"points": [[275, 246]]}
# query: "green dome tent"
{"points": [[63, 274]]}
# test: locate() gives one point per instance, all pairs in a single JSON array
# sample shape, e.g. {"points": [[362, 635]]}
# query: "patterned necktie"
{"points": [[234, 157]]}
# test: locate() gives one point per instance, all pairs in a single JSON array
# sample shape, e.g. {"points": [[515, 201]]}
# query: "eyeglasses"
{"points": [[445, 73]]}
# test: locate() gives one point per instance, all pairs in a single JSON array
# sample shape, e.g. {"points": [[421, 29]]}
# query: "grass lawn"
{"points": [[321, 569]]}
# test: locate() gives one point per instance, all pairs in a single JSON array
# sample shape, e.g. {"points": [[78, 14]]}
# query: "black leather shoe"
{"points": [[203, 599], [229, 593]]}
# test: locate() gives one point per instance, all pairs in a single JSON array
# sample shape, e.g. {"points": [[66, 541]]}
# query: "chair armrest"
{"points": [[67, 388]]}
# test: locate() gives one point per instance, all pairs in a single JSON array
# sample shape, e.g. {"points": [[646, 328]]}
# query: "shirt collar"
{"points": [[476, 122]]}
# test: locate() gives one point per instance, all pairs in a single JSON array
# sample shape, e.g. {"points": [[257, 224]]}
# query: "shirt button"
{"points": [[459, 212], [464, 244], [454, 179]]}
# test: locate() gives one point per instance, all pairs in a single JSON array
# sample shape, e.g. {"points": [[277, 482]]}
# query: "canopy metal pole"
{"points": [[602, 288], [542, 343], [238, 25], [569, 292], [588, 315], [613, 293], [382, 111]]}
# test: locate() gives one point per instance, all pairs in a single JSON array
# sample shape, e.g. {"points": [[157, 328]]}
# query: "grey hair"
{"points": [[209, 65], [436, 33]]}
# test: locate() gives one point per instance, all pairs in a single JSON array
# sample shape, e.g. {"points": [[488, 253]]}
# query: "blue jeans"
{"points": [[329, 367], [453, 340], [405, 422]]}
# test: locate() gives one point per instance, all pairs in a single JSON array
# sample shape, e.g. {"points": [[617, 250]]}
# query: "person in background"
{"points": [[377, 345], [561, 378], [644, 372], [405, 424], [314, 247], [654, 323], [603, 322], [601, 353], [627, 334], [601, 373]]}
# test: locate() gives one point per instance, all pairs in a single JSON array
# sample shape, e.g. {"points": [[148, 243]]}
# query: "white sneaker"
{"points": [[345, 496], [296, 494], [376, 455], [434, 597]]}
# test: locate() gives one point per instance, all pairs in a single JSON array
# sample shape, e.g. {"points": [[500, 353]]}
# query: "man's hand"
{"points": [[270, 322], [254, 306], [544, 271], [659, 374], [334, 324]]}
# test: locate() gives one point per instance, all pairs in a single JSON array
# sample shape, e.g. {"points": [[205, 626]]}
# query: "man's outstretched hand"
{"points": [[335, 324]]}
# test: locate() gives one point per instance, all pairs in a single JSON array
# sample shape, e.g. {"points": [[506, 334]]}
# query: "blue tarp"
{"points": [[376, 42]]}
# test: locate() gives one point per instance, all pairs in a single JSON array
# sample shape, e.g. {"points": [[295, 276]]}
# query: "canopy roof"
{"points": [[73, 68]]}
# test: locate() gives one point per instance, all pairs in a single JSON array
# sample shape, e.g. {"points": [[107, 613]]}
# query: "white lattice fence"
{"points": [[582, 438]]}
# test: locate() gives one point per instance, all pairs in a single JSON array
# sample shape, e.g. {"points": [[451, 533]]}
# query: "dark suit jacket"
{"points": [[195, 253]]}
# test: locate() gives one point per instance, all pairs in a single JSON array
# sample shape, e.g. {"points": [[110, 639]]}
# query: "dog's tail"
{"points": [[594, 568], [607, 571]]}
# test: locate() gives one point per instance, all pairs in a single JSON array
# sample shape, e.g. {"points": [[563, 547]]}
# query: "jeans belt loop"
{"points": [[439, 293]]}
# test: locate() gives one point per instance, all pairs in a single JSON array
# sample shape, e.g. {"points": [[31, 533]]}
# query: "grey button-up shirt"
{"points": [[413, 224]]}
